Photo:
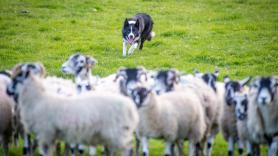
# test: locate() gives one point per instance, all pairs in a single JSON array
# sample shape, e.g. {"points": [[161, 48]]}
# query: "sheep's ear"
{"points": [[90, 61], [245, 81], [255, 82], [43, 72], [216, 72], [227, 79], [173, 76], [16, 70], [142, 71], [197, 73]]}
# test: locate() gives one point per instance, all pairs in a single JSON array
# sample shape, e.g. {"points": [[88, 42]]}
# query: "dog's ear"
{"points": [[137, 23], [126, 22]]}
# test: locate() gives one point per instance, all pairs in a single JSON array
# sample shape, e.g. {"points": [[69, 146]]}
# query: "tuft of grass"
{"points": [[239, 37]]}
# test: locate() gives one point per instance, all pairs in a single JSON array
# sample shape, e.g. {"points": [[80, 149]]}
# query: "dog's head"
{"points": [[131, 31]]}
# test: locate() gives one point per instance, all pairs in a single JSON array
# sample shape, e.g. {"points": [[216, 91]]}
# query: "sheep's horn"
{"points": [[120, 74]]}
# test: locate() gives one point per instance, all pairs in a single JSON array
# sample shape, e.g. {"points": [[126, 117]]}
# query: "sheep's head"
{"points": [[165, 80], [240, 101], [131, 78], [231, 87], [78, 62], [139, 96], [20, 73], [209, 78], [266, 89]]}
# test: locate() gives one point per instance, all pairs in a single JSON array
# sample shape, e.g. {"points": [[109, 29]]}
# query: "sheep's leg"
{"points": [[58, 149], [209, 145], [231, 146], [192, 149], [272, 150], [26, 149], [168, 148], [5, 148], [180, 147], [67, 149], [49, 150], [124, 47], [240, 147], [73, 149], [256, 150], [145, 146], [42, 149], [132, 48], [80, 149], [92, 150], [248, 148], [173, 153], [127, 152], [137, 146]]}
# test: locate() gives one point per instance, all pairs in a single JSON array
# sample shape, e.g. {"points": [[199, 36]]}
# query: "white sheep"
{"points": [[170, 80], [54, 85], [227, 114], [241, 103], [219, 90], [264, 103], [65, 122], [173, 116], [6, 114]]}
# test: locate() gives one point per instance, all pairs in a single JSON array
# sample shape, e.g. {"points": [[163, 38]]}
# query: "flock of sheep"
{"points": [[135, 103]]}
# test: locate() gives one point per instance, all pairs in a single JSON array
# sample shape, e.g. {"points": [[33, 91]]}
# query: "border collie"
{"points": [[136, 31]]}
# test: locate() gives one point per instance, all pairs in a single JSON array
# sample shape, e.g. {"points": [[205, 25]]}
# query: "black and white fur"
{"points": [[209, 78], [81, 65], [165, 80], [136, 31], [241, 103], [266, 100], [231, 88], [132, 78]]}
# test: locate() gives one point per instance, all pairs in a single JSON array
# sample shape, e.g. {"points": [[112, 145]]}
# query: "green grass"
{"points": [[240, 37]]}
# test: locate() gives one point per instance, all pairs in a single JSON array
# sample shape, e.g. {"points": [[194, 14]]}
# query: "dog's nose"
{"points": [[131, 36]]}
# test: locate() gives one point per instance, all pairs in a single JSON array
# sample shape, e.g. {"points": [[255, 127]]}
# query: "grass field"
{"points": [[240, 37]]}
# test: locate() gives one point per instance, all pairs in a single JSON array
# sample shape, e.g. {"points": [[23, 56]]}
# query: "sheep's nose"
{"points": [[263, 100]]}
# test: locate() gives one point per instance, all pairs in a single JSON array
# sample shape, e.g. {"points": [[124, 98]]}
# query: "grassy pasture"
{"points": [[240, 37]]}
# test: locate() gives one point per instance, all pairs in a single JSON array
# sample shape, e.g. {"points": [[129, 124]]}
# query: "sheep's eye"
{"points": [[234, 102]]}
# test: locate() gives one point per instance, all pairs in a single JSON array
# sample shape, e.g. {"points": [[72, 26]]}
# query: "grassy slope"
{"points": [[238, 36]]}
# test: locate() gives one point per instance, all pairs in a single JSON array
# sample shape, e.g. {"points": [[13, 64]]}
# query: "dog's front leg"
{"points": [[132, 48], [124, 48]]}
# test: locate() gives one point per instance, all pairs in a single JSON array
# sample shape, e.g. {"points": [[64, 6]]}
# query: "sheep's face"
{"points": [[165, 80], [231, 87], [266, 89], [241, 104], [76, 63], [139, 96], [209, 78], [20, 74], [131, 79]]}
